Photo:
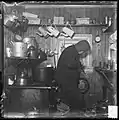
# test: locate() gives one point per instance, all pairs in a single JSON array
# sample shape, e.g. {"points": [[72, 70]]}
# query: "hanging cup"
{"points": [[67, 31], [53, 31], [43, 32]]}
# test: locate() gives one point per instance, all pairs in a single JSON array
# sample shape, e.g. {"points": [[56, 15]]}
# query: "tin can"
{"points": [[8, 52]]}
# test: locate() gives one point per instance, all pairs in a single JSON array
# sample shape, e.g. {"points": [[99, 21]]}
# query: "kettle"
{"points": [[22, 79], [32, 52], [42, 55]]}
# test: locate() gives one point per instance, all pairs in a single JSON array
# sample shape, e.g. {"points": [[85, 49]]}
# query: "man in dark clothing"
{"points": [[68, 73]]}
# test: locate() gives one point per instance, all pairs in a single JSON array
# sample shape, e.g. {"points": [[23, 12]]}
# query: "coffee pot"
{"points": [[32, 52]]}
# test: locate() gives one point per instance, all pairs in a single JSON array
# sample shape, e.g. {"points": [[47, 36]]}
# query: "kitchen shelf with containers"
{"points": [[29, 19], [80, 25], [34, 20]]}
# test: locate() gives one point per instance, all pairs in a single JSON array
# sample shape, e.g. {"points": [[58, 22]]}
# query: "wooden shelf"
{"points": [[82, 25], [24, 62], [20, 58], [29, 87]]}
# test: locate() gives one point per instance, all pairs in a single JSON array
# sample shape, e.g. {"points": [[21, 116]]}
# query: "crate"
{"points": [[34, 20], [82, 21]]}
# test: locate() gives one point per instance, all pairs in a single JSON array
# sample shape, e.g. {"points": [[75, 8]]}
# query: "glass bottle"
{"points": [[110, 21]]}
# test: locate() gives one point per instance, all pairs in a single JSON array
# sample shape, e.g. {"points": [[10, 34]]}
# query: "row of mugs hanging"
{"points": [[52, 31]]}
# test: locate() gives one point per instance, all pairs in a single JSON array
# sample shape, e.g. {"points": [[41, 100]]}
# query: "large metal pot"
{"points": [[19, 49], [44, 75]]}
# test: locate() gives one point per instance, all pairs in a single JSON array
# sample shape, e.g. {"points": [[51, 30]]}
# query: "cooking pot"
{"points": [[45, 74], [30, 41], [19, 49]]}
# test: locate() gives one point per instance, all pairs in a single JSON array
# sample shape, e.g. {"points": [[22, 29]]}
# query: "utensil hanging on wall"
{"points": [[42, 32], [68, 31], [54, 31]]}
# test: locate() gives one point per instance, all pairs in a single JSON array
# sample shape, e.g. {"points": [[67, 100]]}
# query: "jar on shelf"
{"points": [[106, 19]]}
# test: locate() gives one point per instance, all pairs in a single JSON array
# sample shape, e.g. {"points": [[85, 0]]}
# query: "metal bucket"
{"points": [[19, 49]]}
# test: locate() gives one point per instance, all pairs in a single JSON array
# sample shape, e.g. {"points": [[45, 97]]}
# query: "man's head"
{"points": [[83, 48]]}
